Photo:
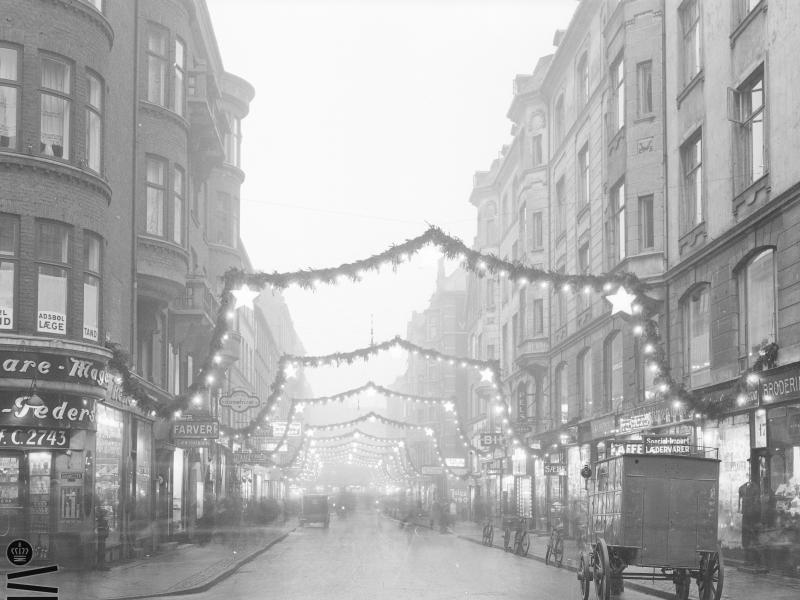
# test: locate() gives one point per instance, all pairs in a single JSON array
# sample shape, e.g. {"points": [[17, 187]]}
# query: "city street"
{"points": [[371, 558]]}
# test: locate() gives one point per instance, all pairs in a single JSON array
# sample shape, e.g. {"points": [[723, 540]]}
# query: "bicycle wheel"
{"points": [[507, 539], [524, 544], [558, 551], [548, 554], [485, 538], [491, 535]]}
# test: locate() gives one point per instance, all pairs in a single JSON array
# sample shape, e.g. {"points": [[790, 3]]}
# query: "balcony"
{"points": [[194, 314], [208, 125]]}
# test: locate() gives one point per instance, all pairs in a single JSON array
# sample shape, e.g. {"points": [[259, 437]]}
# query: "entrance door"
{"points": [[12, 518]]}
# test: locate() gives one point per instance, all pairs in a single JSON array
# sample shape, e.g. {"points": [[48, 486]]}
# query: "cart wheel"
{"points": [[711, 577], [507, 539], [584, 576], [558, 552], [602, 571], [524, 544], [682, 584]]}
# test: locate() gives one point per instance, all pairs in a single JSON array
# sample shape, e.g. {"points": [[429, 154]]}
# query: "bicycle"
{"points": [[555, 547], [522, 542], [488, 533]]}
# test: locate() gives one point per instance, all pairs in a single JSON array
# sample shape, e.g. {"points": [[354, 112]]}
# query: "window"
{"points": [[561, 207], [644, 88], [490, 293], [52, 250], [155, 190], [178, 202], [697, 328], [55, 108], [522, 224], [561, 302], [748, 112], [646, 376], [690, 50], [585, 386], [514, 335], [233, 142], [490, 353], [692, 172], [582, 81], [562, 399], [98, 4], [536, 231], [559, 120], [618, 99], [618, 234], [742, 8], [613, 371], [538, 317], [9, 253], [583, 176], [180, 76], [504, 341], [536, 150], [94, 123], [759, 305], [92, 264], [225, 221], [522, 313], [581, 301], [646, 223], [9, 97], [490, 232], [157, 65]]}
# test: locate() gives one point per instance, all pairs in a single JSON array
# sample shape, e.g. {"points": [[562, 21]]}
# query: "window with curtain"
{"points": [[689, 13], [157, 65], [55, 107], [692, 175], [92, 265], [9, 97], [613, 371], [618, 79], [759, 303], [697, 327], [94, 123], [585, 382], [9, 253], [155, 190], [178, 202], [179, 95], [52, 252]]}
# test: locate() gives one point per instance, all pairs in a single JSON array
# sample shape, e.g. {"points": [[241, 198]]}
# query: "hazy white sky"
{"points": [[369, 120]]}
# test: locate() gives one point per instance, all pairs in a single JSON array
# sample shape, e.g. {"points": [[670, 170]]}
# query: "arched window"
{"points": [[697, 335], [613, 371], [757, 300], [585, 388]]}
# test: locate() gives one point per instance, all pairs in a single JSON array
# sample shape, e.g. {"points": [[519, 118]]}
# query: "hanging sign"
{"points": [[241, 458], [431, 469], [240, 401], [47, 410], [760, 429], [195, 429], [555, 469], [666, 444], [491, 439], [455, 462], [279, 427], [24, 437]]}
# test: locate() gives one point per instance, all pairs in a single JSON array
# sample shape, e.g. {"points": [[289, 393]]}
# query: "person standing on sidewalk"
{"points": [[101, 528]]}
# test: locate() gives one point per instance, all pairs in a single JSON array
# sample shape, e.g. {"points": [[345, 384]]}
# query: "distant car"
{"points": [[314, 509]]}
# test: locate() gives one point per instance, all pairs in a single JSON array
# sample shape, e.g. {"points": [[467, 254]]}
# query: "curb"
{"points": [[204, 587]]}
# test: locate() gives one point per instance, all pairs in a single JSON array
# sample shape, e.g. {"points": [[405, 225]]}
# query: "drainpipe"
{"points": [[134, 286], [664, 112]]}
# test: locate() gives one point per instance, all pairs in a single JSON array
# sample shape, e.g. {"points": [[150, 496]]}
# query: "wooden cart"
{"points": [[653, 511]]}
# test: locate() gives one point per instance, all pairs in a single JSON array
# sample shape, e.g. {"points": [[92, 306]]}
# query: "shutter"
{"points": [[734, 104]]}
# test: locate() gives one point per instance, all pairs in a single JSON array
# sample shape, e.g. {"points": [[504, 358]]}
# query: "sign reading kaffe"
{"points": [[57, 411], [53, 367]]}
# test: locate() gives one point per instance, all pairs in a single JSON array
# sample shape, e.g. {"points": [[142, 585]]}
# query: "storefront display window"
{"points": [[39, 491], [784, 438], [144, 441], [177, 491], [524, 497], [108, 461], [574, 510]]}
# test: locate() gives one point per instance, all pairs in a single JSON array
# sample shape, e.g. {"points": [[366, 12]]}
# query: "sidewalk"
{"points": [[187, 569], [738, 585]]}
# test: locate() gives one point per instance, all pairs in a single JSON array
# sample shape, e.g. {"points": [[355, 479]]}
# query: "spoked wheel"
{"points": [[507, 539], [711, 576], [602, 571], [485, 539], [524, 544], [491, 535], [682, 584], [584, 576], [558, 552], [549, 554]]}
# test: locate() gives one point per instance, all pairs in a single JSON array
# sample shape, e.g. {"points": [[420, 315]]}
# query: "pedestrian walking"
{"points": [[101, 529]]}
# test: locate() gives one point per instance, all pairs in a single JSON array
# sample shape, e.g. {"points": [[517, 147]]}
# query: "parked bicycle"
{"points": [[521, 542], [555, 547], [488, 533]]}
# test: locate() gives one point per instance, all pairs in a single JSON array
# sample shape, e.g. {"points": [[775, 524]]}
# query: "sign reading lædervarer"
{"points": [[195, 429], [666, 444]]}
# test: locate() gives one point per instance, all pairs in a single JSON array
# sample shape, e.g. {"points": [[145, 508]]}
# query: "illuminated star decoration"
{"points": [[621, 301], [487, 375], [290, 370], [244, 296]]}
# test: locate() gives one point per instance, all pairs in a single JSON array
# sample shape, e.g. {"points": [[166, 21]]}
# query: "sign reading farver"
{"points": [[190, 428]]}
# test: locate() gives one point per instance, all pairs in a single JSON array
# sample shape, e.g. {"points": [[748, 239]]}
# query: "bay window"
{"points": [[178, 201], [52, 252], [92, 263], [55, 108], [94, 123], [157, 65], [180, 76], [9, 253], [9, 97], [155, 190]]}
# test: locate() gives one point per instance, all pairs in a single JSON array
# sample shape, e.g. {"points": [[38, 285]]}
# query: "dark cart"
{"points": [[654, 511]]}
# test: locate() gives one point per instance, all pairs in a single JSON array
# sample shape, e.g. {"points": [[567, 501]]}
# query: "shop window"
{"points": [[157, 65], [108, 462], [155, 189], [142, 514], [94, 123], [697, 330], [613, 381], [746, 109], [9, 255], [758, 306], [9, 97], [56, 103], [692, 176], [691, 60], [178, 203], [52, 252], [644, 88], [179, 94]]}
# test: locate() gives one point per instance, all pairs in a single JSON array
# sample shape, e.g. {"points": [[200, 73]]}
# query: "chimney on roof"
{"points": [[558, 37]]}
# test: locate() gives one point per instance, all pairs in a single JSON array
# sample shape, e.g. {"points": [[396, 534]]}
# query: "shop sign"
{"points": [[555, 469], [522, 427], [522, 407], [279, 427], [241, 458], [455, 462], [431, 469], [491, 439], [729, 399], [781, 386], [6, 317], [240, 401], [51, 322], [189, 443], [273, 447], [458, 471], [195, 429], [666, 444], [535, 445], [603, 427], [44, 366], [72, 475], [630, 447], [760, 428], [24, 437], [50, 411], [652, 416]]}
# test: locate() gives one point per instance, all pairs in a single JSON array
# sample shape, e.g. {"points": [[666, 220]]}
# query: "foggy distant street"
{"points": [[369, 557]]}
